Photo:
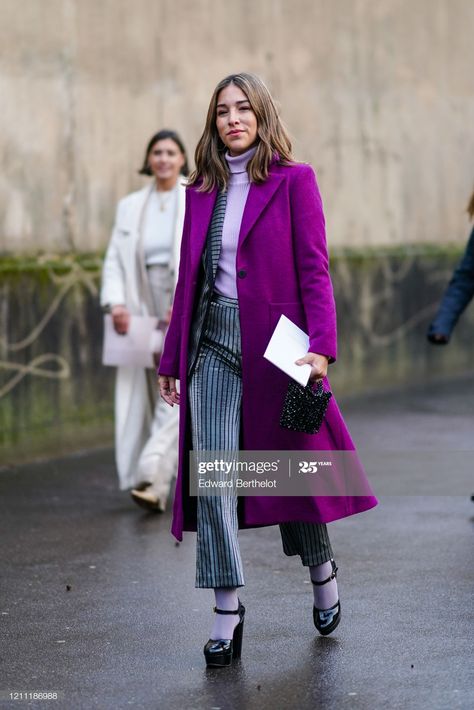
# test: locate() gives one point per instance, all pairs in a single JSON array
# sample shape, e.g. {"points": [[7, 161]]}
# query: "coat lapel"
{"points": [[130, 221], [258, 198], [140, 254]]}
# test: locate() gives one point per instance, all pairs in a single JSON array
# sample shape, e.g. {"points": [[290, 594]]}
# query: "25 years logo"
{"points": [[307, 467]]}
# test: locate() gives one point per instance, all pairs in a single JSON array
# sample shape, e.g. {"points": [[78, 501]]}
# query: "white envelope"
{"points": [[287, 344], [136, 348]]}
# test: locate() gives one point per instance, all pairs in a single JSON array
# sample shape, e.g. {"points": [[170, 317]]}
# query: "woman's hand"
{"points": [[121, 319], [319, 365], [438, 338], [168, 389]]}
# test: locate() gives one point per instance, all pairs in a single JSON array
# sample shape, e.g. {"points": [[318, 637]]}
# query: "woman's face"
{"points": [[165, 160], [235, 120]]}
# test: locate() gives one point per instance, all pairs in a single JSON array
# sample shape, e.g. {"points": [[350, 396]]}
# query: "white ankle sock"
{"points": [[325, 595], [224, 624]]}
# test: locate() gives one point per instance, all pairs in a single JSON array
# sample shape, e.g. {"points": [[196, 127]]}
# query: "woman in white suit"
{"points": [[139, 275]]}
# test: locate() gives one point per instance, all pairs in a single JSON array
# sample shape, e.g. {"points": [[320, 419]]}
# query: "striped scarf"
{"points": [[210, 259]]}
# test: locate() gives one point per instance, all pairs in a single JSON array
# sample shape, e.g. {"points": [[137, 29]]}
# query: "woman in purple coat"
{"points": [[253, 248]]}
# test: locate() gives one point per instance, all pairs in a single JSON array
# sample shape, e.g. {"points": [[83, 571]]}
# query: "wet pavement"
{"points": [[97, 601]]}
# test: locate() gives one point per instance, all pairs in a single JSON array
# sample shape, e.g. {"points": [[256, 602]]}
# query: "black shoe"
{"points": [[324, 622], [221, 652]]}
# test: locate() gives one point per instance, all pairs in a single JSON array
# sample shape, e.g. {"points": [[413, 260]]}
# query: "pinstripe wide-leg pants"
{"points": [[215, 392]]}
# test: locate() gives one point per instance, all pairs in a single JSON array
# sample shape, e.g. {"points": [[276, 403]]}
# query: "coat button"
{"points": [[241, 273]]}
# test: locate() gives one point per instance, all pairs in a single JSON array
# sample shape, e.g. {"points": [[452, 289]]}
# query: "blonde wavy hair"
{"points": [[272, 137]]}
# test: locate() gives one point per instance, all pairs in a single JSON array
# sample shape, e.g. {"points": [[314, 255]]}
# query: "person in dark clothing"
{"points": [[458, 294]]}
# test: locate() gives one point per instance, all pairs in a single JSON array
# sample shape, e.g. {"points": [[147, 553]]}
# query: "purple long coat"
{"points": [[282, 267]]}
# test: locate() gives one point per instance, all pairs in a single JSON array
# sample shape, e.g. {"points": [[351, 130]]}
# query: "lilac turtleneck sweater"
{"points": [[237, 192]]}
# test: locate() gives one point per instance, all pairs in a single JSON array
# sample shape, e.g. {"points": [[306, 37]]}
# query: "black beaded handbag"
{"points": [[304, 408]]}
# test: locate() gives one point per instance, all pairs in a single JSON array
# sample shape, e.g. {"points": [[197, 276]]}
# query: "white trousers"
{"points": [[158, 461], [150, 450]]}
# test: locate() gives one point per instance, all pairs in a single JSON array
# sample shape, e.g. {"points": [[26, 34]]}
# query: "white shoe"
{"points": [[149, 500]]}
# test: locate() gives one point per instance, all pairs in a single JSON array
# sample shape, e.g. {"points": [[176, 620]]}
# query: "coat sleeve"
{"points": [[312, 262], [112, 291], [457, 296], [169, 362]]}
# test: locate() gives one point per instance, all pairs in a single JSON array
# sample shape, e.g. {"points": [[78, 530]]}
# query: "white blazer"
{"points": [[124, 259], [124, 282]]}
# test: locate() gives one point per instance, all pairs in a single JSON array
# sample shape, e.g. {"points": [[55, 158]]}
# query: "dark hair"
{"points": [[272, 136], [161, 136], [470, 207]]}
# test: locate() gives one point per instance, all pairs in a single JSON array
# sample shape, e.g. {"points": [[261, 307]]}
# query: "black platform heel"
{"points": [[323, 626], [221, 652]]}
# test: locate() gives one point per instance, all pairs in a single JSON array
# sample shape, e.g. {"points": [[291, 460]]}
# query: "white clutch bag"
{"points": [[140, 347]]}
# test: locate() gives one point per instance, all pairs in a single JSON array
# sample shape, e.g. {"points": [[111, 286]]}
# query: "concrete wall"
{"points": [[378, 96]]}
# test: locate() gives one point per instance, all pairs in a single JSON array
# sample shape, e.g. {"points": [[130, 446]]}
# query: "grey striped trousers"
{"points": [[215, 392]]}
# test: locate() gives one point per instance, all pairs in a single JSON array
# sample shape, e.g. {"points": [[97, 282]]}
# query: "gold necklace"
{"points": [[164, 202]]}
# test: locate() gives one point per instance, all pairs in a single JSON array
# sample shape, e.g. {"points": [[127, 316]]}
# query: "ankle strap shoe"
{"points": [[220, 653], [326, 620]]}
